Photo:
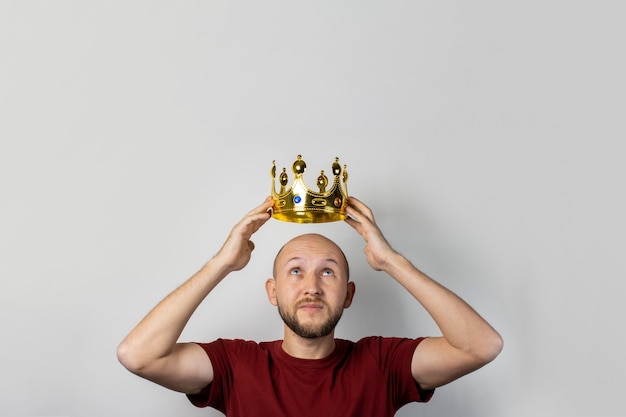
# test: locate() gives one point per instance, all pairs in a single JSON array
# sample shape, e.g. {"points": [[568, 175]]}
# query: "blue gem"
{"points": [[297, 199]]}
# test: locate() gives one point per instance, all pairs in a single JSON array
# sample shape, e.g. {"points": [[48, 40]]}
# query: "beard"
{"points": [[310, 331]]}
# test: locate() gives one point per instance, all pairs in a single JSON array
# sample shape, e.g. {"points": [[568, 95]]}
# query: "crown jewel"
{"points": [[299, 204]]}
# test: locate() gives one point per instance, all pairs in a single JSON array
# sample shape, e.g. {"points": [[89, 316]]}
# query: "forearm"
{"points": [[461, 326], [156, 335]]}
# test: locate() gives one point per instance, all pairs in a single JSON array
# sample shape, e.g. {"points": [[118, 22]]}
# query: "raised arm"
{"points": [[151, 350], [468, 342]]}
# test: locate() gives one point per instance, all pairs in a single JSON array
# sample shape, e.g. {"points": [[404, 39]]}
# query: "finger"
{"points": [[353, 215], [263, 207], [353, 201], [355, 225], [253, 222], [353, 220], [361, 208], [359, 216]]}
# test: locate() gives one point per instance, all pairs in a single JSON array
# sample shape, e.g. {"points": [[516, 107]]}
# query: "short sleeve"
{"points": [[395, 356], [215, 394]]}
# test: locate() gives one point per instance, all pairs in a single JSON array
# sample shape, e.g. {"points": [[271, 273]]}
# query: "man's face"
{"points": [[310, 287]]}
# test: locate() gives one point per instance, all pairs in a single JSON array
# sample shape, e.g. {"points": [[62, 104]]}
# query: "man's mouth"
{"points": [[310, 306]]}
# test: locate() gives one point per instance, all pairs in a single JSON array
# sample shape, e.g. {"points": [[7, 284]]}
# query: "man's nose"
{"points": [[312, 285]]}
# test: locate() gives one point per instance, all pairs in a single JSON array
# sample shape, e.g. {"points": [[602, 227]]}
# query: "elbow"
{"points": [[130, 358], [491, 348], [484, 349]]}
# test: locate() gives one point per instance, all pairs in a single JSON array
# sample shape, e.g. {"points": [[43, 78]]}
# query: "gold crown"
{"points": [[299, 204]]}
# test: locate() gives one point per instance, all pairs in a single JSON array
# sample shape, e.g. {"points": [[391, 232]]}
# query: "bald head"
{"points": [[305, 244]]}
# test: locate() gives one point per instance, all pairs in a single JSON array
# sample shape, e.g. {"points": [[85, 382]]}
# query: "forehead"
{"points": [[311, 247]]}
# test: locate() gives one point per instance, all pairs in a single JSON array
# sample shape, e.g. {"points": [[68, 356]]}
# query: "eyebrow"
{"points": [[345, 260], [298, 258]]}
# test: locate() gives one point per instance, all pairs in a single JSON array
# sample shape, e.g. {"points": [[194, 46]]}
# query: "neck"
{"points": [[302, 348]]}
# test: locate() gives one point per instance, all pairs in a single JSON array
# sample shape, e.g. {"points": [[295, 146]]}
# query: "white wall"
{"points": [[487, 136]]}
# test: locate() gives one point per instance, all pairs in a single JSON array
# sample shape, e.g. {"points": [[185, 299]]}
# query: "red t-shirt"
{"points": [[371, 377]]}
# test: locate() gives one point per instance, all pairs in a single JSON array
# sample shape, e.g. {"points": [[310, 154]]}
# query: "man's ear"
{"points": [[270, 289], [349, 294]]}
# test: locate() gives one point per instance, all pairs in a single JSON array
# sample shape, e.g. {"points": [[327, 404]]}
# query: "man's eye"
{"points": [[294, 271], [327, 272]]}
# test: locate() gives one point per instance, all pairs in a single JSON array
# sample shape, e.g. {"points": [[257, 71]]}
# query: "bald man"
{"points": [[309, 372]]}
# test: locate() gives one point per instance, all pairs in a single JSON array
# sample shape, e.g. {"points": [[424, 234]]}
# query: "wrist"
{"points": [[395, 263], [217, 268]]}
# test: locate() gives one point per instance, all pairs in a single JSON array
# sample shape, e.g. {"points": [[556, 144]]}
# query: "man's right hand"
{"points": [[151, 349], [237, 250]]}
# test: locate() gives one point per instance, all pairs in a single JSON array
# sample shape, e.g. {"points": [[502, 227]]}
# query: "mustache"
{"points": [[311, 300]]}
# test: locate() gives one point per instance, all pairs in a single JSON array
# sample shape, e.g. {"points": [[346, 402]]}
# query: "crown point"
{"points": [[283, 180], [283, 177], [336, 167], [299, 166], [322, 182]]}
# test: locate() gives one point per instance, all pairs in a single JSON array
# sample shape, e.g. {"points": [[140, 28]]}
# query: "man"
{"points": [[309, 372]]}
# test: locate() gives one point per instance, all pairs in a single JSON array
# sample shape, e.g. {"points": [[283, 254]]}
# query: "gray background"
{"points": [[486, 136]]}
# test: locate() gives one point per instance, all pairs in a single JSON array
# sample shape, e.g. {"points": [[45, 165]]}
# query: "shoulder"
{"points": [[380, 342], [236, 347], [232, 354], [386, 349]]}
